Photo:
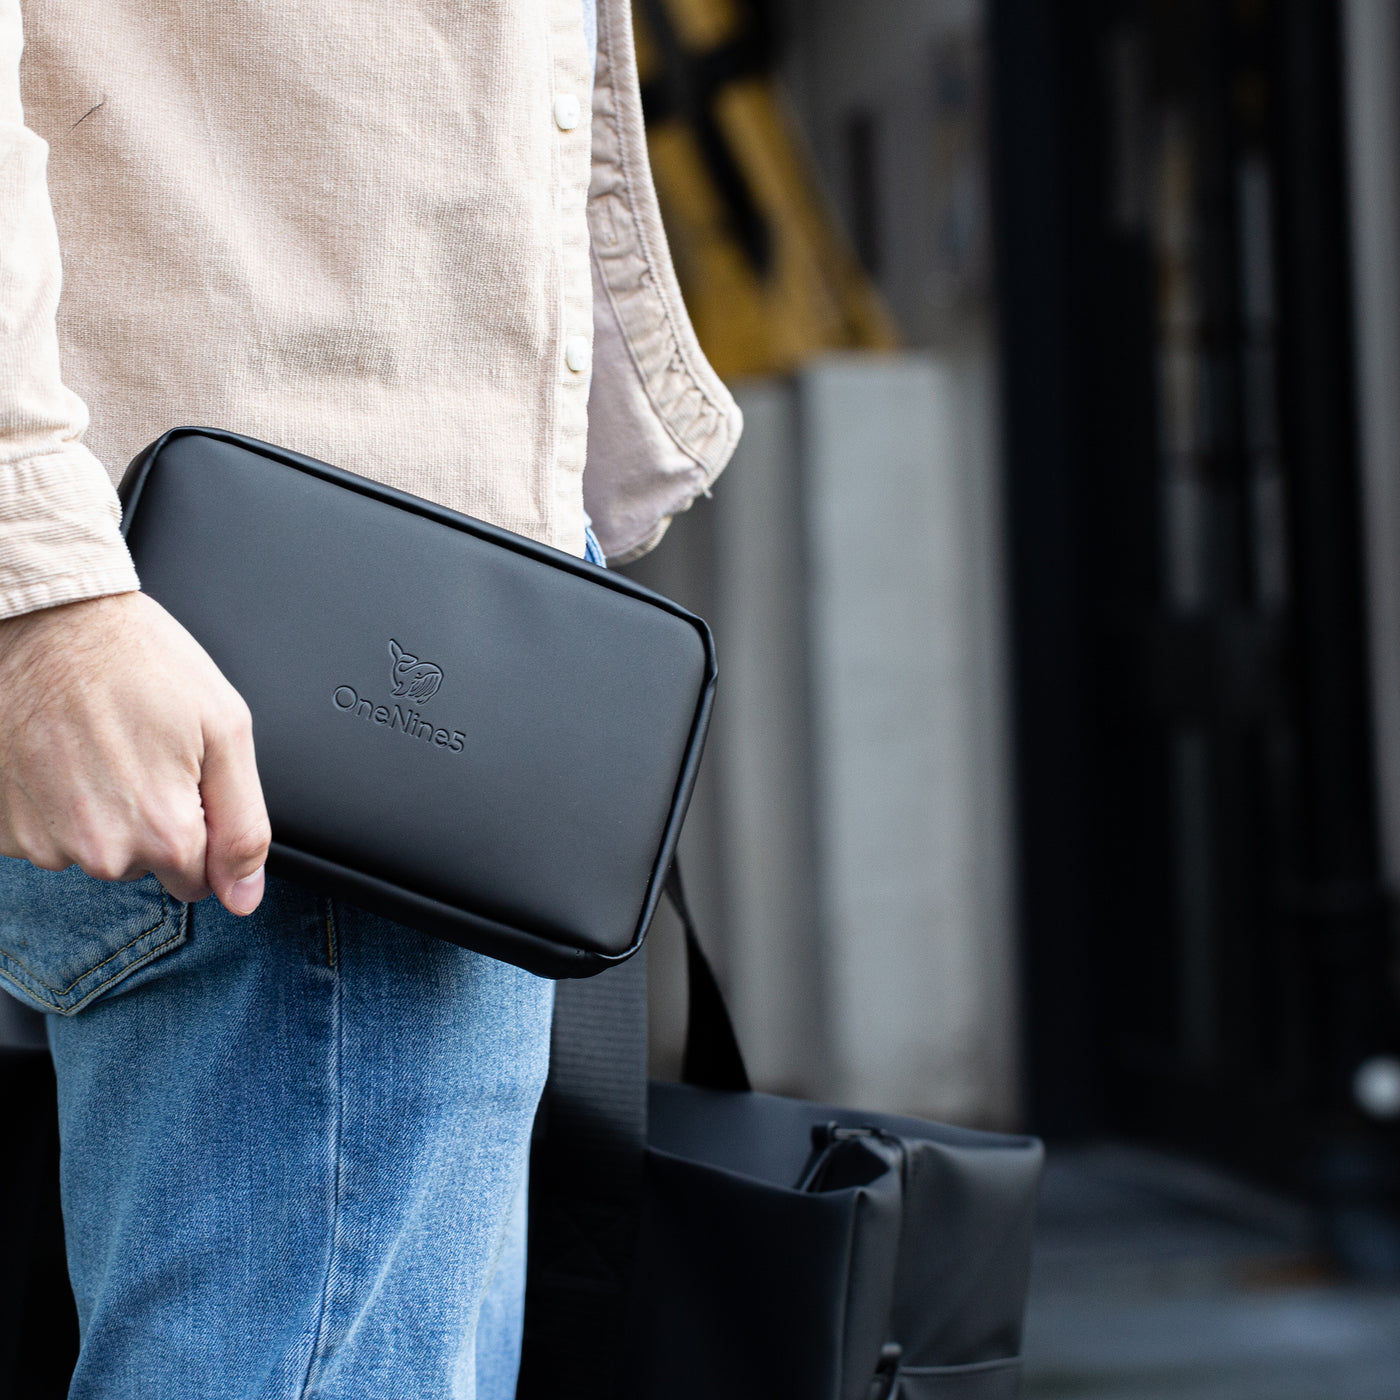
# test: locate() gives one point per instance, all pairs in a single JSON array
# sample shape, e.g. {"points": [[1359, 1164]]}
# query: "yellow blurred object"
{"points": [[705, 24], [768, 276]]}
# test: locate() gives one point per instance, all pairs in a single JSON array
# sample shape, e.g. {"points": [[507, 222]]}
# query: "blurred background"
{"points": [[1055, 778]]}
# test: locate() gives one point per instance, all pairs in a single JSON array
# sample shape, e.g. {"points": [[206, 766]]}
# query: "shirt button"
{"points": [[576, 353], [567, 112]]}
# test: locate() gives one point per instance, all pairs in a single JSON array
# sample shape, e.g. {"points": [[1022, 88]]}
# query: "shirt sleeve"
{"points": [[60, 540], [661, 423]]}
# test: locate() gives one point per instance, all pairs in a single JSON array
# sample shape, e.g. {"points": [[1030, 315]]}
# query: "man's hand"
{"points": [[124, 750]]}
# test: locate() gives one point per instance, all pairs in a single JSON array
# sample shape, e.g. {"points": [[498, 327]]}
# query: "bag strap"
{"points": [[587, 1160], [712, 1058], [585, 1187]]}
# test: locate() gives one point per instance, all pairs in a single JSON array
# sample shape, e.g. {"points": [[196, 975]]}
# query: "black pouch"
{"points": [[458, 728]]}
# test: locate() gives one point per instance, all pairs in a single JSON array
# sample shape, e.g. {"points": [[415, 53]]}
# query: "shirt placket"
{"points": [[572, 119]]}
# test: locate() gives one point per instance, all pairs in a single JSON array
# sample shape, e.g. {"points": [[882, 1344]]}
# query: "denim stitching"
{"points": [[7, 957], [174, 940], [318, 1348]]}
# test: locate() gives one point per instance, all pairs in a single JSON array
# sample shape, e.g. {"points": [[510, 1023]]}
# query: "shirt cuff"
{"points": [[60, 533]]}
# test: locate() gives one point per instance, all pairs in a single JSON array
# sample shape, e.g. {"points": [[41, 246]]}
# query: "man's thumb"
{"points": [[235, 819]]}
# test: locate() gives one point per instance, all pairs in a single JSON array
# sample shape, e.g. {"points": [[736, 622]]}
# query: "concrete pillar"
{"points": [[849, 850], [909, 732]]}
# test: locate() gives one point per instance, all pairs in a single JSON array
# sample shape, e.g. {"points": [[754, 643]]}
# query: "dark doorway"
{"points": [[1207, 950]]}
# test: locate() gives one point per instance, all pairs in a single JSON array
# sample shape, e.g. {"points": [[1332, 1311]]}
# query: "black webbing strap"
{"points": [[712, 1057], [586, 1165], [585, 1187]]}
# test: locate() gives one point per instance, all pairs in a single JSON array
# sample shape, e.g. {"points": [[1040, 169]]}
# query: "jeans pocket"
{"points": [[66, 938]]}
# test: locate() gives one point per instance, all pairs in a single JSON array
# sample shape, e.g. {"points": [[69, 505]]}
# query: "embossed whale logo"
{"points": [[416, 679]]}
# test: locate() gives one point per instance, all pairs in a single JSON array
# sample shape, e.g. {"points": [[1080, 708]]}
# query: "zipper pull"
{"points": [[886, 1375]]}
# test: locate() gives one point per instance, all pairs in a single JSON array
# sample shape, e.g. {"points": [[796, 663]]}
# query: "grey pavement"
{"points": [[1155, 1279]]}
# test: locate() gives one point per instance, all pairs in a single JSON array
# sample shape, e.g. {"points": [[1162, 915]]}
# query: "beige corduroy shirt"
{"points": [[393, 234]]}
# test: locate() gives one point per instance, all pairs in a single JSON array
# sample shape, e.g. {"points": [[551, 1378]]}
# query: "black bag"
{"points": [[458, 728], [705, 1242]]}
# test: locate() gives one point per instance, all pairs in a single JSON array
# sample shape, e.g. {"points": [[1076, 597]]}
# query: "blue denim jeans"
{"points": [[294, 1145]]}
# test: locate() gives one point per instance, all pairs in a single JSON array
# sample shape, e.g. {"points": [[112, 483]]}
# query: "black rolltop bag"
{"points": [[705, 1242]]}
